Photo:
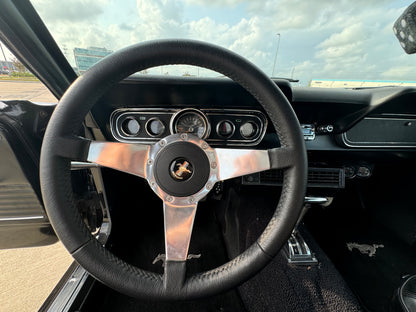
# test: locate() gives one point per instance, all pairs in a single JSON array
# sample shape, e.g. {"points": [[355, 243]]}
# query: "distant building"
{"points": [[85, 58], [6, 67], [347, 83]]}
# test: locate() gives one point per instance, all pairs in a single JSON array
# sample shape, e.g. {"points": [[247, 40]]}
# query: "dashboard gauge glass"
{"points": [[225, 129], [155, 127], [248, 130], [130, 126], [192, 122]]}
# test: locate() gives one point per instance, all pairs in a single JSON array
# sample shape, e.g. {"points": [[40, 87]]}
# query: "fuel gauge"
{"points": [[155, 127], [225, 128]]}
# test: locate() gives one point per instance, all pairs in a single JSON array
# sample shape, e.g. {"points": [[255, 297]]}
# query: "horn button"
{"points": [[181, 169]]}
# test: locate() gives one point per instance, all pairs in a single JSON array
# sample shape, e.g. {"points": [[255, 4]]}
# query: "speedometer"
{"points": [[191, 121]]}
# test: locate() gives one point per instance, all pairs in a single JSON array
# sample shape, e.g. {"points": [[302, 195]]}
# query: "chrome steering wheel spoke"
{"points": [[179, 221], [125, 157], [234, 163]]}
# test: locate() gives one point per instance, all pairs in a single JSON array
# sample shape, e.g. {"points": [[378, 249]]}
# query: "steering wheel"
{"points": [[181, 169]]}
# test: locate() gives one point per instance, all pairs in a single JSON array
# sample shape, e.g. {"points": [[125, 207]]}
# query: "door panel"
{"points": [[23, 221]]}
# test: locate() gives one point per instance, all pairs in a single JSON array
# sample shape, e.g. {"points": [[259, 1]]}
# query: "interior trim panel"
{"points": [[380, 132]]}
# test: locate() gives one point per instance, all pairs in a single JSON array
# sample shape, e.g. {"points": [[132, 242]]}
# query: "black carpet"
{"points": [[280, 286], [376, 211], [284, 287]]}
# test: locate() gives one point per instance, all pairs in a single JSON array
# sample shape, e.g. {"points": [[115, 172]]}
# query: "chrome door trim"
{"points": [[69, 292], [21, 218]]}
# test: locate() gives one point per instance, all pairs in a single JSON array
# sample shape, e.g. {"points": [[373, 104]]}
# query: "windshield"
{"points": [[317, 42]]}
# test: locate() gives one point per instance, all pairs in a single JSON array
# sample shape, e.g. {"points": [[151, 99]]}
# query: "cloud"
{"points": [[397, 72], [319, 39], [75, 10], [215, 3]]}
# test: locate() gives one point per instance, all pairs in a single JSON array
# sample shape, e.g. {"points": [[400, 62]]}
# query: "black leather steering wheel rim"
{"points": [[67, 119]]}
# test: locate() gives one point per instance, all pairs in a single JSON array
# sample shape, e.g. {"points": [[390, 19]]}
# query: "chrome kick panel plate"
{"points": [[218, 127]]}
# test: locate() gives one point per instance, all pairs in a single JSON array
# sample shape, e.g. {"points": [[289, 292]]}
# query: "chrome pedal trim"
{"points": [[299, 251]]}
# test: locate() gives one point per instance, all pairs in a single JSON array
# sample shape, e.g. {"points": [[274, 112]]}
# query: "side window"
{"points": [[18, 83]]}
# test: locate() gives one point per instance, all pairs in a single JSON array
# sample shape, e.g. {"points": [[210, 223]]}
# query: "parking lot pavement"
{"points": [[25, 90], [28, 275]]}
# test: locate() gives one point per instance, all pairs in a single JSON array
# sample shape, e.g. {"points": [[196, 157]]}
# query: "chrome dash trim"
{"points": [[4, 219]]}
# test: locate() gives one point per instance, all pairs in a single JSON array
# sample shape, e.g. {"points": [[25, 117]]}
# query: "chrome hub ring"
{"points": [[181, 169]]}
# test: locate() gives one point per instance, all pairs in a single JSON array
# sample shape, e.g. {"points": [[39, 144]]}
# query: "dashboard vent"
{"points": [[317, 177]]}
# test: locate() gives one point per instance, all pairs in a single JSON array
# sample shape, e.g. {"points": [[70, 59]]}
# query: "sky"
{"points": [[322, 39]]}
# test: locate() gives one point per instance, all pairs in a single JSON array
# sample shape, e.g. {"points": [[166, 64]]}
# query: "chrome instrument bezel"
{"points": [[256, 115], [117, 114]]}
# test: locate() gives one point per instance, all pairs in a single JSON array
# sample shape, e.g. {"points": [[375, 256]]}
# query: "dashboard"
{"points": [[346, 132], [347, 122]]}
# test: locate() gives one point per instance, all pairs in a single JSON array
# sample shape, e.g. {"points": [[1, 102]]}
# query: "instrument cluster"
{"points": [[216, 126]]}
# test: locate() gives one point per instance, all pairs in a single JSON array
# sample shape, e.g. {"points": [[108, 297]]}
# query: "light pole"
{"points": [[275, 57]]}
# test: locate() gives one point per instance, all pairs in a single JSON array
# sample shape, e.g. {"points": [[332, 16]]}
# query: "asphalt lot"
{"points": [[28, 275], [25, 90]]}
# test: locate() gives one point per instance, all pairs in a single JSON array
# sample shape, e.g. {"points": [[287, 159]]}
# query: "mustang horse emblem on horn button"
{"points": [[181, 169]]}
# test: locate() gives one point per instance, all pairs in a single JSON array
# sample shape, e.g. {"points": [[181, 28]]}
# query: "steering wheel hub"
{"points": [[181, 165]]}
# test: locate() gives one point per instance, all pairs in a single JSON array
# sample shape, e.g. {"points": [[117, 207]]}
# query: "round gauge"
{"points": [[130, 126], [248, 130], [225, 128], [349, 172], [191, 121], [155, 127], [363, 172]]}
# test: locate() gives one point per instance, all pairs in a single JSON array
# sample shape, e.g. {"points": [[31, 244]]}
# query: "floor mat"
{"points": [[374, 278], [280, 286], [286, 287], [371, 213]]}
